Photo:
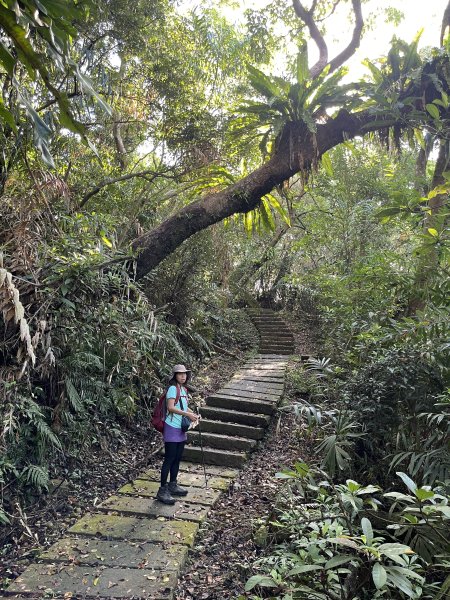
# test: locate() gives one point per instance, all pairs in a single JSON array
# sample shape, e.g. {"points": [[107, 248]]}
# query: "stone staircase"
{"points": [[235, 417], [275, 336], [132, 546]]}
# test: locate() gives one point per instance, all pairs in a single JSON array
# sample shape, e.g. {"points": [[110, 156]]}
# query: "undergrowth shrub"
{"points": [[345, 541]]}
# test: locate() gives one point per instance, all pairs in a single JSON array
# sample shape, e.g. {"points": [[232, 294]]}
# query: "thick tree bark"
{"points": [[297, 151]]}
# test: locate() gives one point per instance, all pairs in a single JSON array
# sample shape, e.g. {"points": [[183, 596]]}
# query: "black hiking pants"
{"points": [[173, 452]]}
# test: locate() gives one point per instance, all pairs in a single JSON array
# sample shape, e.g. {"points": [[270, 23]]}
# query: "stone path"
{"points": [[131, 546]]}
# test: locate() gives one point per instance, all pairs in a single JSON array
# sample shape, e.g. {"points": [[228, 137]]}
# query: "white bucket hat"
{"points": [[180, 369]]}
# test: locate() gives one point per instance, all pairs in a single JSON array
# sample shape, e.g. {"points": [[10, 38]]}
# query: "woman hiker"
{"points": [[174, 437]]}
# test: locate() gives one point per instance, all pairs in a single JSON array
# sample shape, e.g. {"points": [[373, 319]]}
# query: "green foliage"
{"points": [[303, 101], [34, 34], [339, 541]]}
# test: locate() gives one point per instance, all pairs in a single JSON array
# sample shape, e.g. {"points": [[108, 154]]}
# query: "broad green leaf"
{"points": [[389, 211], [419, 137], [7, 60], [353, 486], [302, 64], [400, 581], [279, 208], [266, 215], [433, 110], [326, 163], [305, 569], [379, 575], [7, 116], [376, 73], [407, 481], [395, 549], [261, 580], [263, 84], [367, 530], [88, 88], [338, 560], [424, 494]]}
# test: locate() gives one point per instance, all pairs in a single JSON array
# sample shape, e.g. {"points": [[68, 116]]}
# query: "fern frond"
{"points": [[36, 476]]}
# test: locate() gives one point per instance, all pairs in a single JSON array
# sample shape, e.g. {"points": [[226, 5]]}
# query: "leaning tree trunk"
{"points": [[298, 150]]}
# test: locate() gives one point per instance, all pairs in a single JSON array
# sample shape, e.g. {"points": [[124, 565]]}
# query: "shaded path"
{"points": [[134, 547]]}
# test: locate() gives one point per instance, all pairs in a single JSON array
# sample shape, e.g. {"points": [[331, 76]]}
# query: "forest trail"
{"points": [[132, 546]]}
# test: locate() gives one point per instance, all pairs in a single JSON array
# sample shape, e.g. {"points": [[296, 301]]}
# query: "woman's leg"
{"points": [[175, 467], [170, 455]]}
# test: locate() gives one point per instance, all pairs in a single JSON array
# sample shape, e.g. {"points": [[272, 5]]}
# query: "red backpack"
{"points": [[160, 412]]}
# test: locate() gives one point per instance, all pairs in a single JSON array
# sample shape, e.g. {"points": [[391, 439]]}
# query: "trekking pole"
{"points": [[201, 447]]}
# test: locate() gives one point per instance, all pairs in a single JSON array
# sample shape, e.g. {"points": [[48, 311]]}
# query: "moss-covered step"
{"points": [[149, 507], [120, 527], [190, 479], [126, 554], [241, 404], [215, 457], [232, 429], [211, 470], [217, 440], [234, 416], [196, 495], [82, 581]]}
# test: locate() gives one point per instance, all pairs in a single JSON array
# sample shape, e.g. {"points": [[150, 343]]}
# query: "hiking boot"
{"points": [[164, 496], [176, 490]]}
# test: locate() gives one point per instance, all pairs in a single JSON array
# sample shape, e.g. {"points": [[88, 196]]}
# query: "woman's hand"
{"points": [[193, 416]]}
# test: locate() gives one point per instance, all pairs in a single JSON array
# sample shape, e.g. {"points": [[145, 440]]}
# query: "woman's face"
{"points": [[181, 378]]}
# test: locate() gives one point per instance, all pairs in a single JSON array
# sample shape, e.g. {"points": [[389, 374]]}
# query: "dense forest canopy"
{"points": [[162, 168]]}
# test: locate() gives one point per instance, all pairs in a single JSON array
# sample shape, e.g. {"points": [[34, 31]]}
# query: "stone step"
{"points": [[84, 581], [150, 507], [189, 478], [212, 456], [264, 370], [241, 404], [220, 441], [252, 395], [268, 320], [258, 379], [273, 328], [144, 488], [265, 357], [274, 345], [124, 553], [287, 351], [233, 429], [278, 347], [234, 416], [276, 339], [252, 363], [120, 527], [256, 386]]}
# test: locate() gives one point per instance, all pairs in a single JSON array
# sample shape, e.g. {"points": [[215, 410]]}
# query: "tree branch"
{"points": [[445, 23], [341, 58], [297, 151], [307, 17], [98, 188]]}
